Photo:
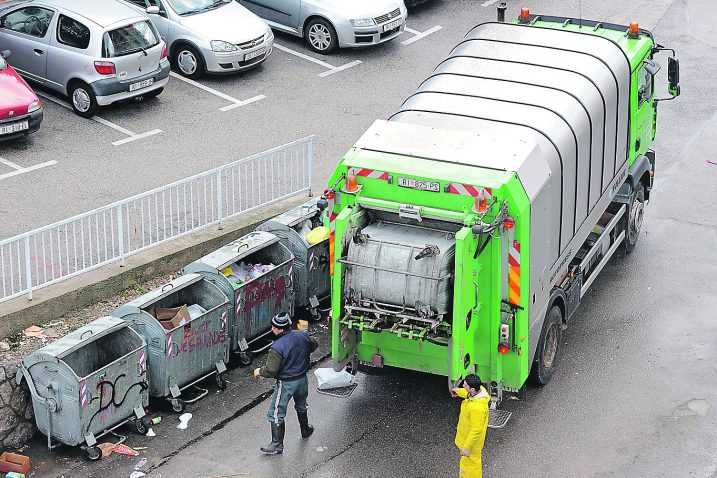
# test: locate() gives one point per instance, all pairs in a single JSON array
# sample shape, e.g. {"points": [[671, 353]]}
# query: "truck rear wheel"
{"points": [[548, 347], [634, 218]]}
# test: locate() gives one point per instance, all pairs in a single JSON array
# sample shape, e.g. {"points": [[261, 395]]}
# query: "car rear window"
{"points": [[129, 39]]}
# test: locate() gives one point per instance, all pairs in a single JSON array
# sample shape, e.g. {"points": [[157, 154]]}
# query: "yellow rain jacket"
{"points": [[470, 432]]}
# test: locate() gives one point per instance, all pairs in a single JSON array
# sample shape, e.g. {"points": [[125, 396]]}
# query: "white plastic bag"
{"points": [[329, 378], [196, 310]]}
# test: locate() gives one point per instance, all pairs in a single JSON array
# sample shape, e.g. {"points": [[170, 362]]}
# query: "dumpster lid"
{"points": [[297, 214], [235, 250], [72, 341], [161, 292]]}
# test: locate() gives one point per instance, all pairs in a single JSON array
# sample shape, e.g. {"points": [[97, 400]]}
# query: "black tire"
{"points": [[246, 358], [177, 405], [83, 99], [548, 350], [188, 61], [152, 94], [221, 381], [140, 426], [634, 218], [93, 453], [321, 36]]}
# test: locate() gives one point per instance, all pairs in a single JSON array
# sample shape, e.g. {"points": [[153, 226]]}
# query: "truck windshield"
{"points": [[129, 39]]}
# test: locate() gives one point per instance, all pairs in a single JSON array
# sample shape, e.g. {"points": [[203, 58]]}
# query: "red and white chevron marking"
{"points": [[369, 173], [169, 345], [225, 322], [468, 190], [83, 394], [142, 361]]}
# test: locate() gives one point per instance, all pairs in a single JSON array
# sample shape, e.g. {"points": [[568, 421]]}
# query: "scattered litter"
{"points": [[137, 474], [34, 331], [184, 420], [320, 448], [150, 433], [140, 464], [123, 449], [14, 462], [138, 448], [329, 378], [156, 420], [711, 162], [229, 475], [4, 346], [106, 449], [15, 474]]}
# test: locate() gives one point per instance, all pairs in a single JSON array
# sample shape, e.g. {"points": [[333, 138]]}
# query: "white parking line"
{"points": [[235, 103], [21, 170], [488, 3], [418, 35], [131, 136], [331, 68]]}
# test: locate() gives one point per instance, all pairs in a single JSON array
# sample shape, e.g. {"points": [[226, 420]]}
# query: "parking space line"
{"points": [[418, 35], [130, 135], [488, 3], [235, 103], [331, 68], [21, 170]]}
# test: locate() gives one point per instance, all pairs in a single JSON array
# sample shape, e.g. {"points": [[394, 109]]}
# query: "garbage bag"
{"points": [[329, 378], [317, 235]]}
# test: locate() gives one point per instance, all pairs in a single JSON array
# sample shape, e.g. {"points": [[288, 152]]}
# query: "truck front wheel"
{"points": [[634, 218], [548, 347]]}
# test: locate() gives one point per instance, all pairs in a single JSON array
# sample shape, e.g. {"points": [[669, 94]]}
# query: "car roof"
{"points": [[102, 12]]}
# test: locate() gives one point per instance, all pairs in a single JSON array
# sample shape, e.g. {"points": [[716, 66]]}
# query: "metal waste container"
{"points": [[312, 281], [192, 344], [255, 271], [88, 383]]}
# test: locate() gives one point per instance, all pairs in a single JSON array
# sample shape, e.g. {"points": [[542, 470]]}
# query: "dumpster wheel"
{"points": [[221, 381], [141, 426], [177, 405], [246, 357], [93, 453]]}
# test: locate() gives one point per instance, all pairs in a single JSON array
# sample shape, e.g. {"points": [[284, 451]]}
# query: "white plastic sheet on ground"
{"points": [[329, 378]]}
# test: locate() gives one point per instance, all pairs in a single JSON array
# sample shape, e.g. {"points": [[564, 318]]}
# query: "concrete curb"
{"points": [[99, 284]]}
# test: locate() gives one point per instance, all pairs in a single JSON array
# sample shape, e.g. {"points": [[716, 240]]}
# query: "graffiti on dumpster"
{"points": [[108, 397], [196, 337], [258, 291]]}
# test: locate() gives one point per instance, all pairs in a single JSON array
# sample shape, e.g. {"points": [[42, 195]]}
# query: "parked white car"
{"points": [[209, 36], [330, 24]]}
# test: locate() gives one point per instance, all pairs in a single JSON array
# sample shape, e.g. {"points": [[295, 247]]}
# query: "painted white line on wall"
{"points": [[488, 3], [331, 68], [130, 135], [419, 36], [235, 102], [22, 170]]}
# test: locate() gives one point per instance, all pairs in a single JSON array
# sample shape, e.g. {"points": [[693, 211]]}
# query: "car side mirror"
{"points": [[6, 54], [673, 76], [153, 10]]}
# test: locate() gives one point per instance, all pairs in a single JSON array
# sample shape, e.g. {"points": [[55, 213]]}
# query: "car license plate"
{"points": [[141, 84], [418, 184], [14, 128], [254, 54], [392, 25]]}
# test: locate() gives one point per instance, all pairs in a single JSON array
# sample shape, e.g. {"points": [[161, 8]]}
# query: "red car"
{"points": [[20, 108]]}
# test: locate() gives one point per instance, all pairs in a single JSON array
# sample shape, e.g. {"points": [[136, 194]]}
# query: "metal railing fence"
{"points": [[54, 253]]}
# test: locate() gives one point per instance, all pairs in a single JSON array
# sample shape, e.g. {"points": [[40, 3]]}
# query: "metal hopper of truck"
{"points": [[466, 228]]}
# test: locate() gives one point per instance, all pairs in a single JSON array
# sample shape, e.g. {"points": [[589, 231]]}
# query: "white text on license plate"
{"points": [[141, 84], [392, 25], [14, 128], [418, 184], [254, 54]]}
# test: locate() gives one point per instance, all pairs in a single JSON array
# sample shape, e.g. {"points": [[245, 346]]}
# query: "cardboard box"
{"points": [[176, 316]]}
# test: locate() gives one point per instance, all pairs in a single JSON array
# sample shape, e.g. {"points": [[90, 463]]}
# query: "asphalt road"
{"points": [[636, 389]]}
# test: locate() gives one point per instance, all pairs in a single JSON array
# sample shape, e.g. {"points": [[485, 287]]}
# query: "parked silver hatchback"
{"points": [[95, 52], [212, 36]]}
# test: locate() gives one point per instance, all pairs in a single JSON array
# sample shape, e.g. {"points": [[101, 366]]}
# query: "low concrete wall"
{"points": [[17, 423]]}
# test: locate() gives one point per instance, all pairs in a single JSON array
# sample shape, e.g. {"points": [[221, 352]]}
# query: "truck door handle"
{"points": [[38, 51]]}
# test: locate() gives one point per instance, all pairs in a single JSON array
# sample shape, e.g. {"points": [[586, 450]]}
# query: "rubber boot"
{"points": [[277, 440], [306, 429]]}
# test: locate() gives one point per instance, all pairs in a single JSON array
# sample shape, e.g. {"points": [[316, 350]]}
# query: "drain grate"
{"points": [[498, 418], [340, 392]]}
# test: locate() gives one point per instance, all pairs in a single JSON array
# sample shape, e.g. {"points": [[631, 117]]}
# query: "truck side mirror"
{"points": [[673, 76], [6, 54]]}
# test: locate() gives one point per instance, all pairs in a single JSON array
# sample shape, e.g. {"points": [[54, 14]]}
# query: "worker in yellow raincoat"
{"points": [[472, 425]]}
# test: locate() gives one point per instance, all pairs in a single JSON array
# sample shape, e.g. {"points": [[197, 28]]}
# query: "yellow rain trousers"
{"points": [[470, 433]]}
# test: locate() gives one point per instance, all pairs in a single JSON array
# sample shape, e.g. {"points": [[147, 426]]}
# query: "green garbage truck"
{"points": [[466, 228]]}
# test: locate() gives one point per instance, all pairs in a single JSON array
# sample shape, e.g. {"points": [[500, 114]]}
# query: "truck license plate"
{"points": [[14, 128], [141, 84], [418, 184]]}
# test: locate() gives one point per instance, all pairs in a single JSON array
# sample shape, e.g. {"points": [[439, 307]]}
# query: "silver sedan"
{"points": [[330, 24]]}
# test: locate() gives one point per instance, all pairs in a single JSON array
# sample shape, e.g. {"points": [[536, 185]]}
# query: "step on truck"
{"points": [[466, 228]]}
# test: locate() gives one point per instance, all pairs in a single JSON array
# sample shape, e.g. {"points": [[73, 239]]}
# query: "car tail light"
{"points": [[164, 52], [503, 349], [105, 67]]}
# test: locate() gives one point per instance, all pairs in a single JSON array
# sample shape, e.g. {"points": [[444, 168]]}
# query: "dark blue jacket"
{"points": [[295, 348]]}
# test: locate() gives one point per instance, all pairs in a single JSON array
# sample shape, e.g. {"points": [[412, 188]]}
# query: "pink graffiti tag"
{"points": [[259, 291]]}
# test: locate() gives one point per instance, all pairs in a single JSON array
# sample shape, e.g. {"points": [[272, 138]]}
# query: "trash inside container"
{"points": [[88, 383], [299, 229], [255, 271], [186, 326]]}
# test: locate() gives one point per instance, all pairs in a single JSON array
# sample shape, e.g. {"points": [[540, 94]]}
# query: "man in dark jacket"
{"points": [[287, 362]]}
